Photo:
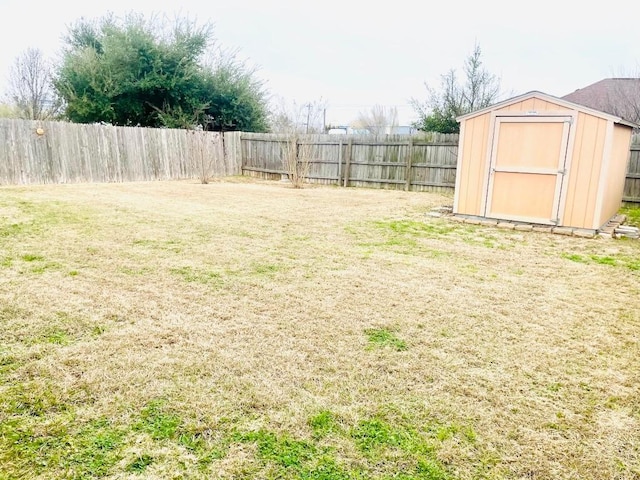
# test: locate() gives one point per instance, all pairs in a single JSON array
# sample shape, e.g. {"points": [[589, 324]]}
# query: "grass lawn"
{"points": [[249, 330]]}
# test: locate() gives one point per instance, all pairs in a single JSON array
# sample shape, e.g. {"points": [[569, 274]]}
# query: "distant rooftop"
{"points": [[616, 96]]}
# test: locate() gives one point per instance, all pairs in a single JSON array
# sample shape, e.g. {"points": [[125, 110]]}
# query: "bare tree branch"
{"points": [[305, 117], [623, 99], [379, 120], [294, 121], [479, 90], [30, 88]]}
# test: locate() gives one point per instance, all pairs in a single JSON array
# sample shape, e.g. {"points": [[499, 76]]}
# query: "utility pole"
{"points": [[308, 116]]}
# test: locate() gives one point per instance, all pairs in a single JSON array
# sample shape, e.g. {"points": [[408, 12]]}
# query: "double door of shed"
{"points": [[527, 167]]}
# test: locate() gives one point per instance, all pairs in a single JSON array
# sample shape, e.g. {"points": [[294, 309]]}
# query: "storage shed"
{"points": [[540, 159]]}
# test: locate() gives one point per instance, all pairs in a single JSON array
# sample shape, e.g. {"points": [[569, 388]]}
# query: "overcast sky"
{"points": [[355, 54]]}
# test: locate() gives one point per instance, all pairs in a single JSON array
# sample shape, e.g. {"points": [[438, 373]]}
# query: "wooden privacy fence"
{"points": [[58, 152], [422, 163], [632, 183]]}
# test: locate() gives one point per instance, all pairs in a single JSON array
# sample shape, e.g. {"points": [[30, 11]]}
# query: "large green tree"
{"points": [[478, 90], [137, 71]]}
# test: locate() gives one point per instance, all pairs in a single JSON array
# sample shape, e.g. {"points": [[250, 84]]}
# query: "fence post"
{"points": [[407, 185], [232, 150], [347, 167], [340, 163]]}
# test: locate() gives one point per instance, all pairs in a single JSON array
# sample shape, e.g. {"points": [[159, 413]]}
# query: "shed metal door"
{"points": [[528, 158]]}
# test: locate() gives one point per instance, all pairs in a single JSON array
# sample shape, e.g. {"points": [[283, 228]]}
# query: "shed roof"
{"points": [[617, 96], [549, 98]]}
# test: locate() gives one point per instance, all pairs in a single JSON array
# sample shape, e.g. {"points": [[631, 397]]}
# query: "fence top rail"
{"points": [[59, 124], [320, 137], [359, 143]]}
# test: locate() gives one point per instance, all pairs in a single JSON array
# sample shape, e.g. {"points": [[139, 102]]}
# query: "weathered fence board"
{"points": [[632, 182], [58, 152], [425, 162]]}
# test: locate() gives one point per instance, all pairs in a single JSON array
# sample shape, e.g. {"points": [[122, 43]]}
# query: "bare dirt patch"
{"points": [[250, 330]]}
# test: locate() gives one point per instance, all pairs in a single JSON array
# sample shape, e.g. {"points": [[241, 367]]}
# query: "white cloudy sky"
{"points": [[355, 54]]}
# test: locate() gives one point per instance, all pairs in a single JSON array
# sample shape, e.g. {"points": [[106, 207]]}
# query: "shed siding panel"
{"points": [[615, 174], [514, 107], [468, 156], [537, 104], [585, 169], [473, 171]]}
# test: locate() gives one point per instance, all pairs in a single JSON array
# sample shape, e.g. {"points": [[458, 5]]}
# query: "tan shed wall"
{"points": [[584, 173], [583, 182], [615, 174], [473, 171], [536, 104]]}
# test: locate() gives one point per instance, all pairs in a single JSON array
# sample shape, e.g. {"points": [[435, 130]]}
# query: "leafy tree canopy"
{"points": [[135, 71], [479, 90]]}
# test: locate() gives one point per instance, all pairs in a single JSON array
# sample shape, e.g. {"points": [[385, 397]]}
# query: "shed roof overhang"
{"points": [[552, 99]]}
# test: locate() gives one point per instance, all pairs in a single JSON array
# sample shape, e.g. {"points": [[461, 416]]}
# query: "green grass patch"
{"points": [[45, 438], [604, 260], [36, 218], [41, 435], [381, 441], [282, 450], [32, 398], [32, 258], [158, 422], [15, 229], [634, 264], [323, 423], [375, 433], [633, 215], [198, 275], [297, 459], [203, 445], [399, 236], [96, 448], [140, 270], [384, 337], [57, 337], [411, 227], [8, 361], [98, 330], [59, 450], [624, 261], [574, 257], [408, 237], [266, 268], [43, 267], [140, 463]]}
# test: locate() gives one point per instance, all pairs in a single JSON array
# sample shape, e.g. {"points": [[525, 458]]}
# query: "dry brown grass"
{"points": [[244, 307]]}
